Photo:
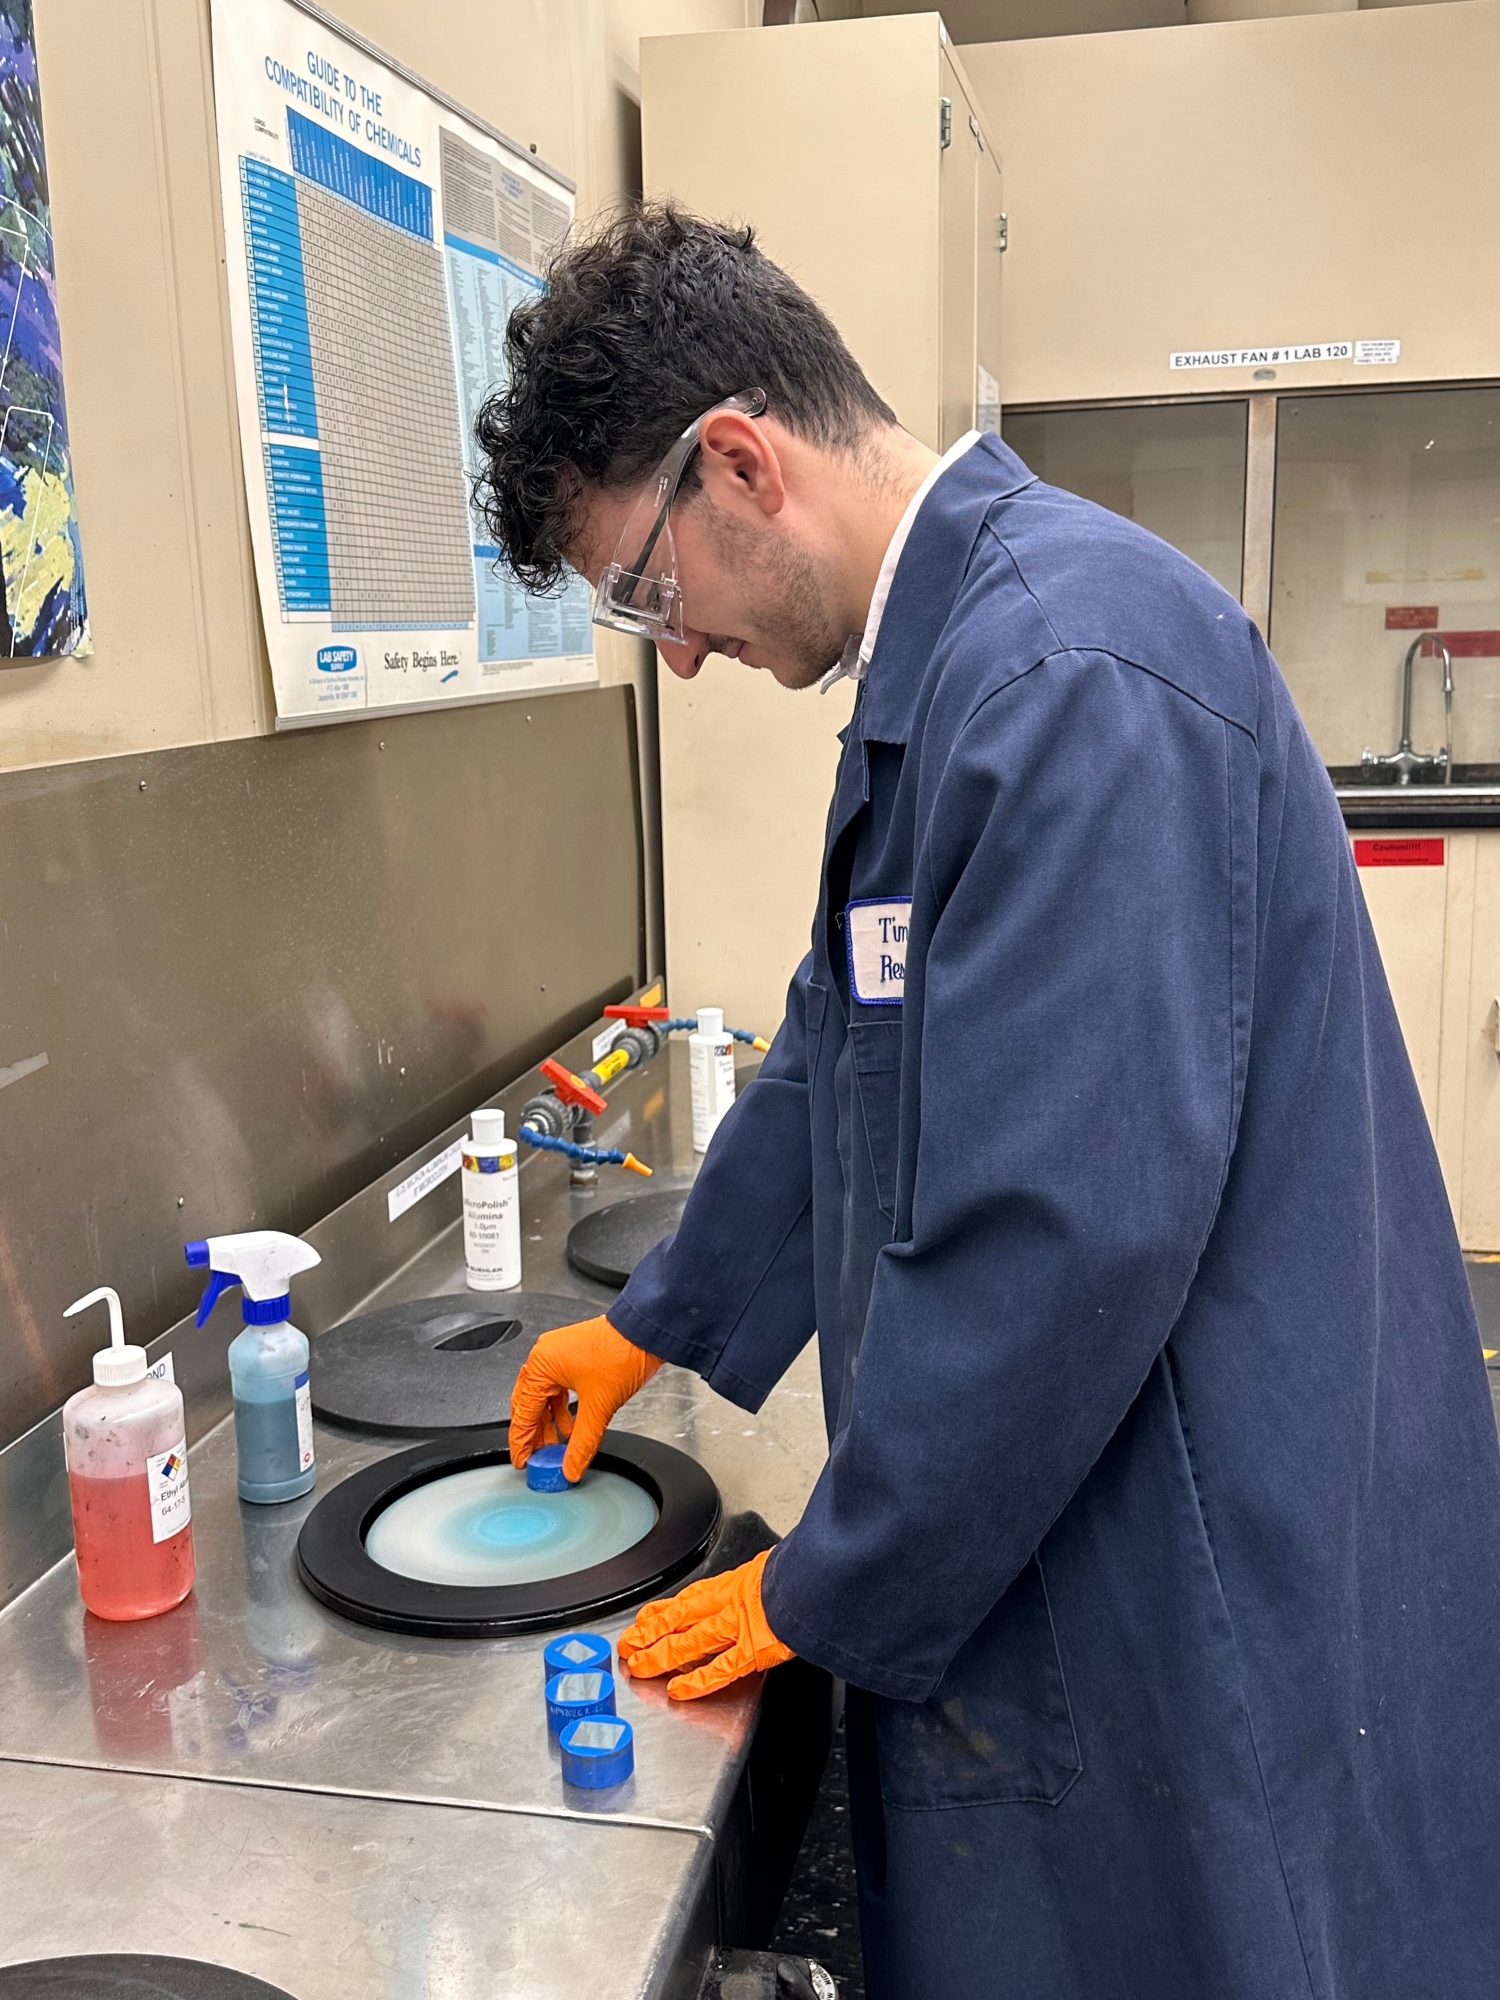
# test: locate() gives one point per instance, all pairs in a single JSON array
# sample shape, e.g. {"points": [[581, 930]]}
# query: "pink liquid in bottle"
{"points": [[122, 1571]]}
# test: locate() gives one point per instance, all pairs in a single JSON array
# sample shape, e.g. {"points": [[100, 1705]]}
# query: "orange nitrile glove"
{"points": [[599, 1365], [720, 1621]]}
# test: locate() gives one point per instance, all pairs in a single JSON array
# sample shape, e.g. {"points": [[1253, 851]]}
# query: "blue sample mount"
{"points": [[544, 1470], [597, 1752]]}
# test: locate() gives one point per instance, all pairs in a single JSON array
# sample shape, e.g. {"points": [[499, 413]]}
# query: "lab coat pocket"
{"points": [[877, 1069], [998, 1728]]}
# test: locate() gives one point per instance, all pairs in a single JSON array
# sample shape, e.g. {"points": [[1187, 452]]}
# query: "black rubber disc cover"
{"points": [[332, 1562], [431, 1365], [608, 1244], [127, 1975]]}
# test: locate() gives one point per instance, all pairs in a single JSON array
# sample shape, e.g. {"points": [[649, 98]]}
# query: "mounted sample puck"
{"points": [[447, 1539], [431, 1365], [128, 1975], [608, 1244]]}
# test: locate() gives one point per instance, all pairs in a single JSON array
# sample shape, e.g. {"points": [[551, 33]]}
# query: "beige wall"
{"points": [[1328, 177], [127, 101], [851, 198]]}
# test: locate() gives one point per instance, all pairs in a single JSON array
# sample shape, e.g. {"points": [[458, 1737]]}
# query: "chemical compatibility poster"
{"points": [[378, 240]]}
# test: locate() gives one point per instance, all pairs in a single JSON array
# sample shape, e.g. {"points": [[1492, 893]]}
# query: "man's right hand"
{"points": [[600, 1366]]}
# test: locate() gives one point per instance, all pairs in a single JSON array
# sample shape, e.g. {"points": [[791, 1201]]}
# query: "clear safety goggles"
{"points": [[639, 591]]}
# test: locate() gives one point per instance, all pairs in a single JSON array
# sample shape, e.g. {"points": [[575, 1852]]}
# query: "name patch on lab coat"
{"points": [[876, 934]]}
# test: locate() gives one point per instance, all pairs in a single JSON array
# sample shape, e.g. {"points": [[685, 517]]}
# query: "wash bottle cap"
{"points": [[488, 1129], [597, 1752], [119, 1364], [575, 1653], [711, 1022], [263, 1261]]}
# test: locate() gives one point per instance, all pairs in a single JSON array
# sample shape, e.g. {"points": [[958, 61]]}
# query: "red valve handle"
{"points": [[637, 1017], [572, 1089]]}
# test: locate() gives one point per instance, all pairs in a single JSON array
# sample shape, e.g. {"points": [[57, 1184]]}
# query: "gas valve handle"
{"points": [[637, 1017]]}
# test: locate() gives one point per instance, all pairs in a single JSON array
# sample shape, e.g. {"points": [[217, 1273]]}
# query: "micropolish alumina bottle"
{"points": [[492, 1206], [125, 1441], [711, 1062]]}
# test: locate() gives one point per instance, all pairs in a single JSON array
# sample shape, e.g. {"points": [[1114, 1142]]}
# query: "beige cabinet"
{"points": [[1434, 901], [857, 150]]}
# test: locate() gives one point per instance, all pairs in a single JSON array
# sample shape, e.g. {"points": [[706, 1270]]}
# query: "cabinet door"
{"points": [[958, 221], [1405, 881], [1475, 1033]]}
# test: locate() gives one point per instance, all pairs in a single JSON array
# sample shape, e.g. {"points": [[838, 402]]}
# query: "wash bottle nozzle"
{"points": [[262, 1262], [119, 1364]]}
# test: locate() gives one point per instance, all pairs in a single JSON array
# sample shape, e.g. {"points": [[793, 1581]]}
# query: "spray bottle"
{"points": [[711, 1067], [492, 1206], [125, 1440], [268, 1362]]}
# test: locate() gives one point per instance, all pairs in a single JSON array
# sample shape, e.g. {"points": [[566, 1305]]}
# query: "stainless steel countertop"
{"points": [[252, 1682], [349, 1899]]}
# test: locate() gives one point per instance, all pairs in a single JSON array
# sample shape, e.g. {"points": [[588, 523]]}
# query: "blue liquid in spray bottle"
{"points": [[268, 1361]]}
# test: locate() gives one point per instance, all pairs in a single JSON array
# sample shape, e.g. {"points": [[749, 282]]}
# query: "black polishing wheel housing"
{"points": [[128, 1975], [333, 1563]]}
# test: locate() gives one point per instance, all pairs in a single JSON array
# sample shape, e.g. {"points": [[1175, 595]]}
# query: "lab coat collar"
{"points": [[928, 574], [855, 658]]}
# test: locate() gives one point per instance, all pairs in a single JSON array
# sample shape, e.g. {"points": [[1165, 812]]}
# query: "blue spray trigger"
{"points": [[218, 1284]]}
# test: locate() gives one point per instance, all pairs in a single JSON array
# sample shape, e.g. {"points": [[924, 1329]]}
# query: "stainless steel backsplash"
{"points": [[239, 981]]}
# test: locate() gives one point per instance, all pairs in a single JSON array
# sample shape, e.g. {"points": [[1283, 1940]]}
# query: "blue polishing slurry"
{"points": [[597, 1752], [571, 1697], [544, 1470], [575, 1653]]}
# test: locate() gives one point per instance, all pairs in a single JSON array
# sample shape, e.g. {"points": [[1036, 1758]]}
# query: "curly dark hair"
{"points": [[649, 318]]}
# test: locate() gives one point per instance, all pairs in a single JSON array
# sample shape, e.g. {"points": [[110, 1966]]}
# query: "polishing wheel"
{"points": [[132, 1976], [432, 1365], [448, 1539], [608, 1244]]}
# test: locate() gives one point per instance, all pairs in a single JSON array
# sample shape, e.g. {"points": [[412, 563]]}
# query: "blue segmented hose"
{"points": [[598, 1156], [746, 1035]]}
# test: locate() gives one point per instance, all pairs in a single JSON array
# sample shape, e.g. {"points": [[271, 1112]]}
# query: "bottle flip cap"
{"points": [[711, 1022], [544, 1470], [119, 1364], [487, 1128], [575, 1653], [572, 1697], [597, 1752]]}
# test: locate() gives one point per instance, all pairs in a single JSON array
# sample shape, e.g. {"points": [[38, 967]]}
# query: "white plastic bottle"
{"points": [[125, 1440], [711, 1060], [492, 1206]]}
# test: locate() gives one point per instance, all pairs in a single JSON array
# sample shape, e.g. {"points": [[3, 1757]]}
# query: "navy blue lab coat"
{"points": [[1159, 1540]]}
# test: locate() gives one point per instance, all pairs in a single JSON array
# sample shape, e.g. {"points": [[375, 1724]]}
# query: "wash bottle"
{"points": [[268, 1362], [711, 1068], [125, 1441]]}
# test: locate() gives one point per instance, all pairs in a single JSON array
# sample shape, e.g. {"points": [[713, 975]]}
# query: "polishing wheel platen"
{"points": [[448, 1539]]}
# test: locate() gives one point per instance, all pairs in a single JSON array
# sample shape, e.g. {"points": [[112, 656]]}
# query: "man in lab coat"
{"points": [[1159, 1538]]}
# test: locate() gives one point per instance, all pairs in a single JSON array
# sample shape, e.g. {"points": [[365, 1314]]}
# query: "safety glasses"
{"points": [[639, 591]]}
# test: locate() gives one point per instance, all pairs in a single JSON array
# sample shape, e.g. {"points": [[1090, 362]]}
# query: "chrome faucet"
{"points": [[1409, 764]]}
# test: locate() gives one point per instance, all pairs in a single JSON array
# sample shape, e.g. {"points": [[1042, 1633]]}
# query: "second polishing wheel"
{"points": [[448, 1539], [608, 1244], [432, 1364]]}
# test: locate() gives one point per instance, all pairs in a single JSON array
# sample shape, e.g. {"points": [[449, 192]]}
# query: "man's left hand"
{"points": [[720, 1621]]}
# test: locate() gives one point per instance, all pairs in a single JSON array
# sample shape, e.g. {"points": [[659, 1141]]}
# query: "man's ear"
{"points": [[739, 465]]}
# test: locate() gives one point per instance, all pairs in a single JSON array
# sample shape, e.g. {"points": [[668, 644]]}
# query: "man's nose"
{"points": [[685, 655]]}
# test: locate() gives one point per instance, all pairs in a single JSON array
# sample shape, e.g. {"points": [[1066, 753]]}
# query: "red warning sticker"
{"points": [[1466, 646], [1426, 851], [1410, 617]]}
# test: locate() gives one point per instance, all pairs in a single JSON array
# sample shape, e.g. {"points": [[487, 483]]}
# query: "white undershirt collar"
{"points": [[854, 661]]}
